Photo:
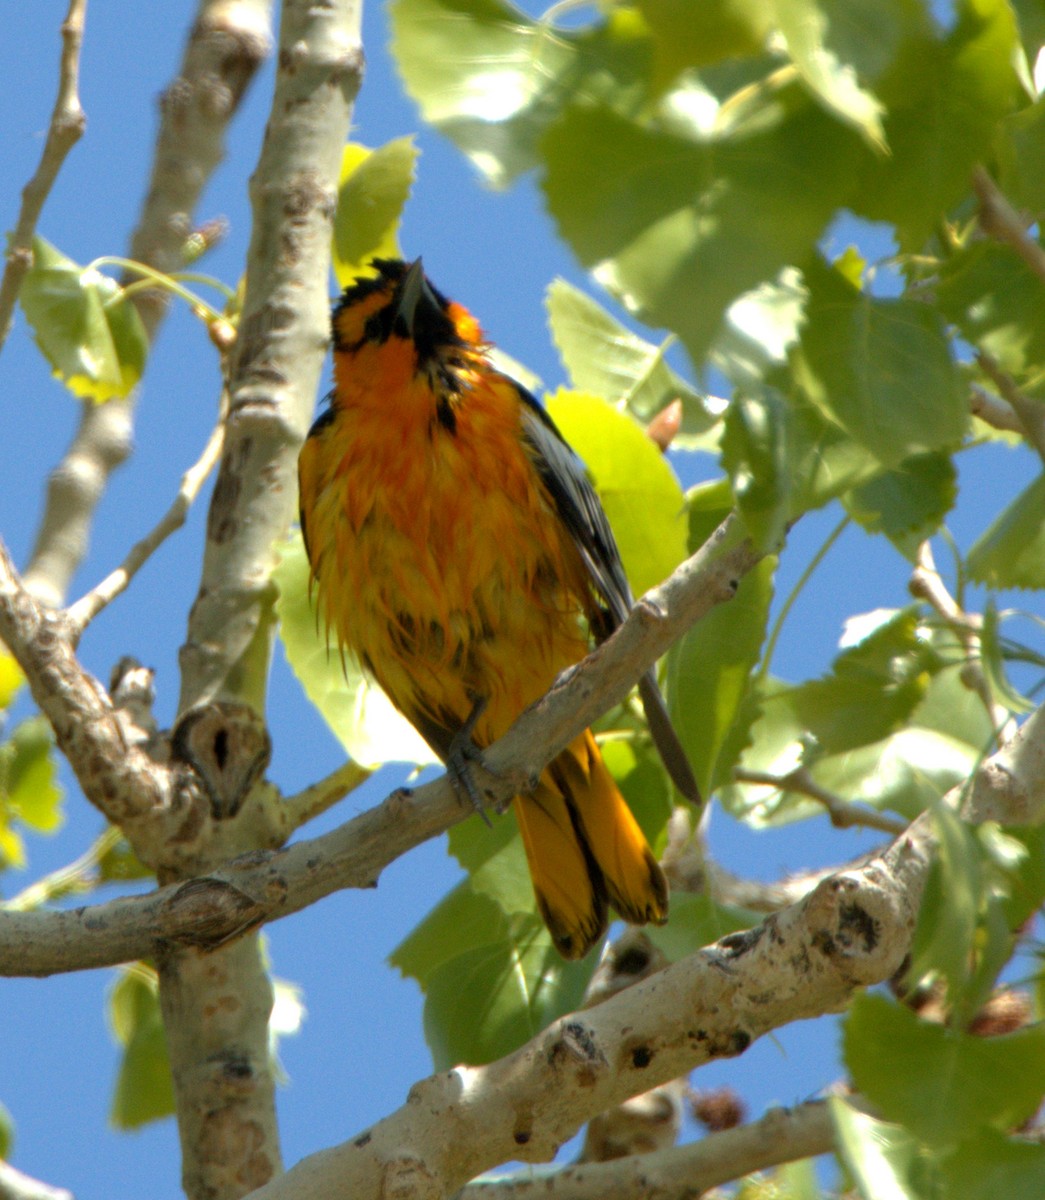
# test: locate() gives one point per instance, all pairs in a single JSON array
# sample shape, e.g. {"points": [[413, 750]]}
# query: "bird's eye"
{"points": [[378, 326]]}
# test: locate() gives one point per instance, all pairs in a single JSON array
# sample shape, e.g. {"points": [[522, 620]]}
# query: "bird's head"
{"points": [[398, 301]]}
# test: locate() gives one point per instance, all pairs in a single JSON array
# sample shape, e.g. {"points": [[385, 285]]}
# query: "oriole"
{"points": [[455, 544]]}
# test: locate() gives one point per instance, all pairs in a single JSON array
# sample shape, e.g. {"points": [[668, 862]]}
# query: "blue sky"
{"points": [[361, 1046]]}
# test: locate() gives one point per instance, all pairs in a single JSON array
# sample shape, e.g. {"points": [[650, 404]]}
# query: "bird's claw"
{"points": [[464, 754]]}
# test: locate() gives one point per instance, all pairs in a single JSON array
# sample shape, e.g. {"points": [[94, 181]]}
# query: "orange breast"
{"points": [[439, 558]]}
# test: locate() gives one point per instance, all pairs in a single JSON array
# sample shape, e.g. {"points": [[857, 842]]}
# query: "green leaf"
{"points": [[954, 892], [881, 368], [754, 455], [468, 947], [693, 35], [989, 1166], [881, 674], [680, 226], [121, 863], [1027, 877], [359, 714], [941, 1085], [796, 1181], [993, 663], [709, 679], [492, 79], [88, 331], [1023, 157], [374, 187], [496, 862], [463, 919], [11, 678], [144, 1091], [605, 358], [805, 25], [882, 1158], [945, 97], [760, 328], [708, 505], [905, 772], [824, 460], [1011, 553], [951, 708], [998, 303], [7, 1133], [775, 746], [908, 503], [29, 791], [635, 482]]}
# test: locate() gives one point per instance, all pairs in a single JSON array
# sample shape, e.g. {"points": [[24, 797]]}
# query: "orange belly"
{"points": [[441, 565]]}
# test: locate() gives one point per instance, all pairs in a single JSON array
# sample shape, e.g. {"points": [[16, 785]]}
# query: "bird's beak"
{"points": [[413, 292]]}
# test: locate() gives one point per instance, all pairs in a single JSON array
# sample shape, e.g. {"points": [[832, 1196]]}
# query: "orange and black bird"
{"points": [[455, 544]]}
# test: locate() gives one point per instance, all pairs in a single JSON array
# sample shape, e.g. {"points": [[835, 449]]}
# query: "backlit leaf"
{"points": [[90, 334], [605, 358], [635, 482], [374, 187], [359, 714]]}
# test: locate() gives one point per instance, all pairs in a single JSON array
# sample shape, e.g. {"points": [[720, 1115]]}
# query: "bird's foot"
{"points": [[463, 757]]}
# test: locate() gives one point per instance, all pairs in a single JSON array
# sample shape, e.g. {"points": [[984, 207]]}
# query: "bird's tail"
{"points": [[586, 850]]}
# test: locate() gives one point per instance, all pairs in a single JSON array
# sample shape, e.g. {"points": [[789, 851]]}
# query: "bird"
{"points": [[458, 549]]}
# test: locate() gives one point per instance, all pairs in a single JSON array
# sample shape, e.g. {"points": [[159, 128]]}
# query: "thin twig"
{"points": [[14, 1185], [226, 45], [843, 813], [67, 125], [90, 605], [310, 802], [994, 411], [927, 584], [77, 876], [999, 219], [1030, 413]]}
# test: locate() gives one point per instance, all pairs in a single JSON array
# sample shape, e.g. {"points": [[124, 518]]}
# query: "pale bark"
{"points": [[66, 127], [216, 1005], [681, 1172], [852, 931], [228, 41], [228, 897]]}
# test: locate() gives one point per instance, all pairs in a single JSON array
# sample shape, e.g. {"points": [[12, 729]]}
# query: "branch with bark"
{"points": [[227, 42], [852, 931], [263, 885]]}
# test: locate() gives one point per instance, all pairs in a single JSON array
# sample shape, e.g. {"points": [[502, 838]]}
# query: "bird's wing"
{"points": [[579, 509]]}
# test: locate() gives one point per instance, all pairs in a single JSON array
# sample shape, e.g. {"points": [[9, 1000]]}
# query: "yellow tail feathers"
{"points": [[586, 850]]}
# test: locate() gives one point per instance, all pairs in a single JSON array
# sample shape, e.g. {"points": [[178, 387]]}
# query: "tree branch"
{"points": [[65, 130], [119, 779], [83, 612], [216, 1006], [14, 1185], [1029, 413], [782, 1135], [854, 930], [275, 364], [228, 41], [264, 886], [999, 219], [927, 584], [843, 813], [310, 802]]}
